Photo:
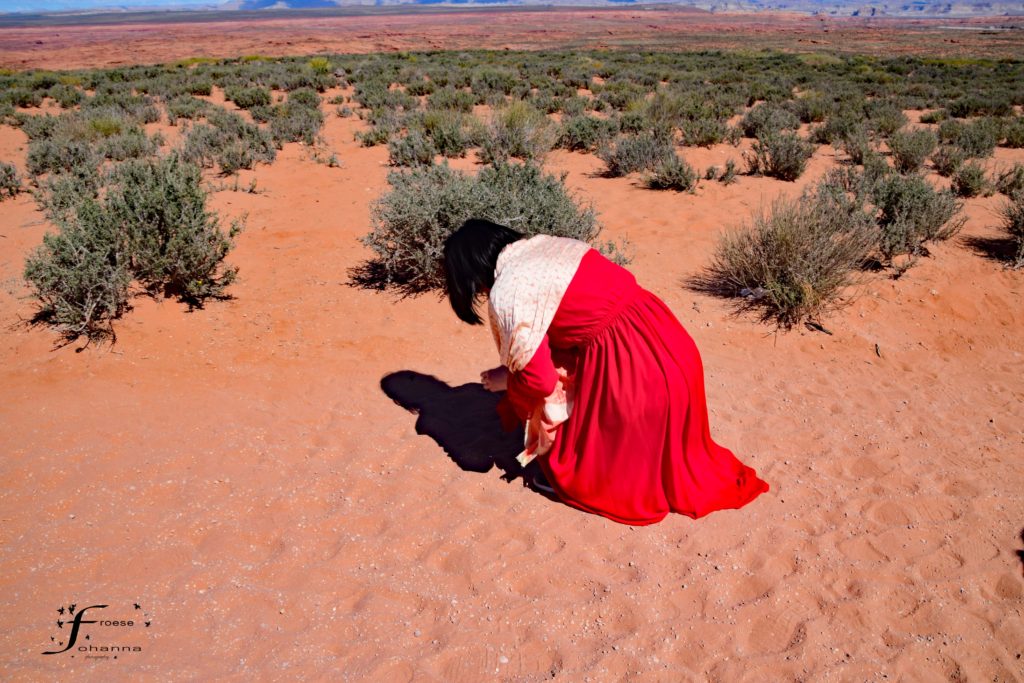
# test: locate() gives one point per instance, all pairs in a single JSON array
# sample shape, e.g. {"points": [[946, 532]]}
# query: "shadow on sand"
{"points": [[462, 420]]}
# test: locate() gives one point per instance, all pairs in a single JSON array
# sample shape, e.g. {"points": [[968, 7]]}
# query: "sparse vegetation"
{"points": [[673, 174], [630, 108], [1012, 214], [10, 181], [630, 153], [970, 181], [425, 205], [794, 260], [911, 148], [780, 155]]}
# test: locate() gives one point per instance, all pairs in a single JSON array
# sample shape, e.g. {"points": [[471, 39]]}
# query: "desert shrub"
{"points": [[793, 260], [969, 180], [185, 107], [585, 133], [518, 130], [947, 159], [449, 130], [837, 128], [728, 175], [22, 97], [426, 204], [977, 138], [885, 118], [1013, 133], [175, 242], [66, 96], [812, 107], [49, 156], [230, 141], [630, 153], [60, 194], [702, 132], [248, 97], [780, 155], [766, 118], [130, 144], [450, 98], [857, 144], [80, 275], [1011, 181], [299, 119], [911, 148], [975, 105], [673, 173], [1012, 214], [414, 149], [937, 116], [10, 182], [295, 123], [304, 97], [912, 212], [320, 65]]}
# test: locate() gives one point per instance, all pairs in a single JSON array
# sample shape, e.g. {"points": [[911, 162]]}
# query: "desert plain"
{"points": [[304, 482]]}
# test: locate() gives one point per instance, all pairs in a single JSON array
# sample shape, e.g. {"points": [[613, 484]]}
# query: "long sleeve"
{"points": [[528, 387]]}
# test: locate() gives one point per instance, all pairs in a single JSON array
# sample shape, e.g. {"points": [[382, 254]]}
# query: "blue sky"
{"points": [[60, 5]]}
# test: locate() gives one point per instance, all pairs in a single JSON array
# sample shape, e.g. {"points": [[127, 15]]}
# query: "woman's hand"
{"points": [[495, 379]]}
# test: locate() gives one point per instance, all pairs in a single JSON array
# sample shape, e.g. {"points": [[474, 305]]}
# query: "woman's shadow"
{"points": [[462, 420]]}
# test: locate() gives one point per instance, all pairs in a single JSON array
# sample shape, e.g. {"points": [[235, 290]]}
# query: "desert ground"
{"points": [[252, 474], [73, 43]]}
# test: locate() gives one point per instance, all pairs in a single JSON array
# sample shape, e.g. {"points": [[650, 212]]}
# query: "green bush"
{"points": [[977, 138], [857, 144], [631, 153], [450, 131], [793, 261], [673, 174], [426, 204], [186, 107], [1011, 181], [10, 182], [152, 225], [947, 159], [780, 155], [230, 142], [450, 98], [885, 118], [175, 243], [703, 132], [911, 148], [248, 97], [969, 181], [1013, 133], [585, 133], [50, 156], [765, 119], [414, 149], [295, 121], [1012, 213], [728, 176], [81, 274], [912, 212], [517, 130]]}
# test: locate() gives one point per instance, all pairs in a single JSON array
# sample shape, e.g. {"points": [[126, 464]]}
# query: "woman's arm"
{"points": [[528, 387]]}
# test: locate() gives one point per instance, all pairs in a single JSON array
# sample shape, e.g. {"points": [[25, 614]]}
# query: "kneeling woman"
{"points": [[608, 383]]}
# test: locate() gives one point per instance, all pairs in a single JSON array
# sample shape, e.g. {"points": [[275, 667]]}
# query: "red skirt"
{"points": [[637, 444]]}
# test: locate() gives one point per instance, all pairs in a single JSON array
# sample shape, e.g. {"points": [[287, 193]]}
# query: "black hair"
{"points": [[470, 256]]}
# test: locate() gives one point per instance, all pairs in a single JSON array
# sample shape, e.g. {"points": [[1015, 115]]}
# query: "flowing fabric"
{"points": [[530, 279], [637, 442]]}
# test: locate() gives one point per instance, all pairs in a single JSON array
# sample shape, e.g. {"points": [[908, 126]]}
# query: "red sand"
{"points": [[239, 472]]}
